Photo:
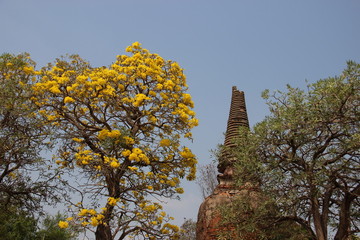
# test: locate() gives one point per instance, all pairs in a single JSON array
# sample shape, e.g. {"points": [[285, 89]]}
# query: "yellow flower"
{"points": [[171, 226], [126, 153], [81, 78], [55, 68], [179, 190], [63, 224], [112, 201], [152, 118], [28, 70], [144, 158], [165, 143], [92, 211], [94, 221], [150, 208], [129, 140], [114, 133], [51, 117], [84, 223], [110, 91], [187, 99], [83, 212], [134, 156], [186, 153], [152, 93], [159, 86], [193, 122], [103, 134], [137, 150], [114, 164], [188, 135], [171, 183], [169, 85], [68, 100], [55, 89], [136, 45], [132, 168], [139, 99], [77, 140]]}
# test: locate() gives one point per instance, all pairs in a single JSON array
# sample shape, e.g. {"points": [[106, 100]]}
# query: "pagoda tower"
{"points": [[208, 224], [237, 118]]}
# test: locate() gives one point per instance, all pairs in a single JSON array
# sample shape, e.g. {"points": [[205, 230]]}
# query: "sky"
{"points": [[252, 44]]}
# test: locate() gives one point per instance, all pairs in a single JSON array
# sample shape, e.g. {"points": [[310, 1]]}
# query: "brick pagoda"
{"points": [[209, 218]]}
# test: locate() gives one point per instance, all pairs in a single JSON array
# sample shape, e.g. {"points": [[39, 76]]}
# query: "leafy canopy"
{"points": [[25, 181], [305, 155]]}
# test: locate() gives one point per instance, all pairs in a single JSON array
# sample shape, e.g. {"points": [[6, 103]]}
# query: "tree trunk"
{"points": [[344, 222], [319, 230], [103, 232]]}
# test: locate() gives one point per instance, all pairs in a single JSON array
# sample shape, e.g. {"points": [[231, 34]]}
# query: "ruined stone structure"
{"points": [[208, 216]]}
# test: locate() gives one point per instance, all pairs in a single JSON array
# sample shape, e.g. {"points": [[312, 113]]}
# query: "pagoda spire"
{"points": [[237, 118], [209, 217]]}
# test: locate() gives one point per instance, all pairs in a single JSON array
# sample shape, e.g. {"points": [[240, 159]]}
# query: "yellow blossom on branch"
{"points": [[115, 164], [129, 140], [165, 142], [126, 153], [112, 201], [68, 100], [63, 224], [28, 69], [83, 212]]}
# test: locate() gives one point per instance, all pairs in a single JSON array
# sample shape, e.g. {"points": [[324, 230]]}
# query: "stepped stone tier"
{"points": [[208, 224], [237, 118]]}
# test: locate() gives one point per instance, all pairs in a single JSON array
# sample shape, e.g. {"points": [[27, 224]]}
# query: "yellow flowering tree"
{"points": [[121, 126]]}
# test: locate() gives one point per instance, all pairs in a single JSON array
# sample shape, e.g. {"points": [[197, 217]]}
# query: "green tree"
{"points": [[255, 216], [207, 178], [51, 231], [188, 230], [20, 225], [17, 225], [24, 179], [119, 129], [305, 156]]}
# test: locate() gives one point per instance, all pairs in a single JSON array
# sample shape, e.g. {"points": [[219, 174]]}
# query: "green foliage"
{"points": [[22, 137], [51, 231], [188, 230], [17, 226], [305, 156], [251, 215]]}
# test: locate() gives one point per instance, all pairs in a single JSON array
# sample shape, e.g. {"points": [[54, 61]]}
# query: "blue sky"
{"points": [[252, 44]]}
